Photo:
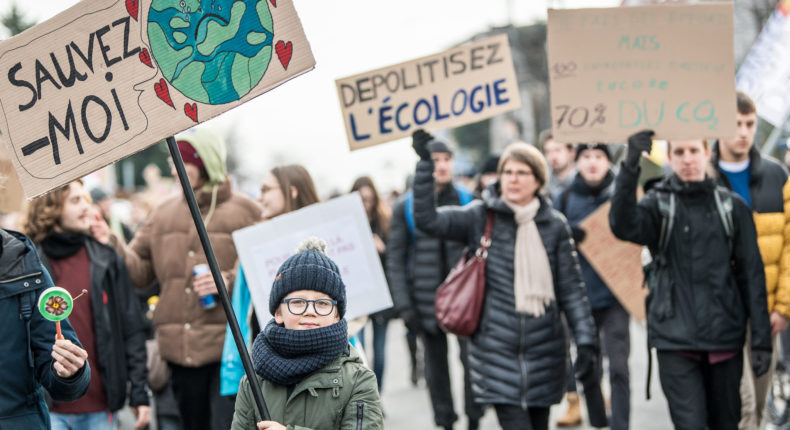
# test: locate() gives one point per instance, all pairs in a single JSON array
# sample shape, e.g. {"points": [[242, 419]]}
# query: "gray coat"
{"points": [[515, 359]]}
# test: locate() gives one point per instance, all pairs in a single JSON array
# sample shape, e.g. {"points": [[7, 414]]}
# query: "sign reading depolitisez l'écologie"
{"points": [[466, 84]]}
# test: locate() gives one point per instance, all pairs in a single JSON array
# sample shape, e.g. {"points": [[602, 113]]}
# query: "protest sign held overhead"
{"points": [[342, 222], [765, 72], [107, 78], [616, 71], [11, 194], [459, 86]]}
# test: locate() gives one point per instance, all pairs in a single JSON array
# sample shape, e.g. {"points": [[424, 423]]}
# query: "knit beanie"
{"points": [[439, 146], [309, 269], [585, 146], [211, 151], [190, 155]]}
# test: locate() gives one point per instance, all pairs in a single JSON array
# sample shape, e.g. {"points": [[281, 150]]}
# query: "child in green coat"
{"points": [[310, 377]]}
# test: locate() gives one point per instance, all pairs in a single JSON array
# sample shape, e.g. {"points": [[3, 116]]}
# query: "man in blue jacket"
{"points": [[31, 356]]}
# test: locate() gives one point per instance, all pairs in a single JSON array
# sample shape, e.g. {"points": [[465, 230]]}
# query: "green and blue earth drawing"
{"points": [[212, 51]]}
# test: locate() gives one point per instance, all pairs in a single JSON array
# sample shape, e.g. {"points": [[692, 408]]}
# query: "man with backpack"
{"points": [[416, 266], [761, 182], [705, 283]]}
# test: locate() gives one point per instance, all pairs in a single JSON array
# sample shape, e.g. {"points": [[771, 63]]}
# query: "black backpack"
{"points": [[656, 273]]}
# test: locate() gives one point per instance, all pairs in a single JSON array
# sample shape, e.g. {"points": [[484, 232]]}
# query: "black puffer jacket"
{"points": [[415, 270], [515, 359], [117, 327], [712, 287]]}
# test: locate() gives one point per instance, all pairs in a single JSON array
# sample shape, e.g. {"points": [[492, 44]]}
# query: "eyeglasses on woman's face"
{"points": [[298, 305]]}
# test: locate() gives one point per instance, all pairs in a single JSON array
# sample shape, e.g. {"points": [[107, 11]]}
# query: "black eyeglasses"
{"points": [[298, 306]]}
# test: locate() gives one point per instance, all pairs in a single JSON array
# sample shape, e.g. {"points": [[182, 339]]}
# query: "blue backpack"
{"points": [[463, 195]]}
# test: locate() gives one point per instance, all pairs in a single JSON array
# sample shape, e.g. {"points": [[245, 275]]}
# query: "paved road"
{"points": [[408, 408]]}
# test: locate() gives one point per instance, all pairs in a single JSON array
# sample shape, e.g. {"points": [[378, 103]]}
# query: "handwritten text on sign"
{"points": [[107, 78], [615, 71], [343, 224], [466, 84]]}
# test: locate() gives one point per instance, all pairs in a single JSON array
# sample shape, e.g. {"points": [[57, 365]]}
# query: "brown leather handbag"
{"points": [[459, 299]]}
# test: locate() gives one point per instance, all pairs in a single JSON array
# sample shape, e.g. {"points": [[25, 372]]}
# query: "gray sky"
{"points": [[300, 122]]}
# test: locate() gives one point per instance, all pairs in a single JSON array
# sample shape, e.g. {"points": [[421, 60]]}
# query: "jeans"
{"points": [[89, 421], [197, 394], [612, 323]]}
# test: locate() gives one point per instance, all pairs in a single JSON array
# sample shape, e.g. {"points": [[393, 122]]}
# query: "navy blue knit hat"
{"points": [[309, 269]]}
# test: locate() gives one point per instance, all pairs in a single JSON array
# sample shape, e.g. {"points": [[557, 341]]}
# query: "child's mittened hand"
{"points": [[270, 425]]}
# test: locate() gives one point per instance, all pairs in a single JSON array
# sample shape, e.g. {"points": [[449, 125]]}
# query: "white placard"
{"points": [[343, 224]]}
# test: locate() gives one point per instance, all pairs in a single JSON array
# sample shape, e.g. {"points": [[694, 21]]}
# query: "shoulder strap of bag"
{"points": [[724, 207], [26, 304], [666, 206], [485, 240]]}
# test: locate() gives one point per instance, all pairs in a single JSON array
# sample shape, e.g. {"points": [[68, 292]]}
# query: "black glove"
{"points": [[411, 320], [420, 140], [586, 361], [637, 143], [578, 234], [761, 361]]}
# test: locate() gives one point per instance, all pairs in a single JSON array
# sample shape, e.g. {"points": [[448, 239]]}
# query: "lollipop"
{"points": [[55, 304]]}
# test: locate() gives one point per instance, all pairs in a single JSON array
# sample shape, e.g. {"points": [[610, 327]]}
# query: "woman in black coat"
{"points": [[518, 355]]}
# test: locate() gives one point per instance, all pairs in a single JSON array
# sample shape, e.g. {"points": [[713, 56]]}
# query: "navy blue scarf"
{"points": [[285, 357]]}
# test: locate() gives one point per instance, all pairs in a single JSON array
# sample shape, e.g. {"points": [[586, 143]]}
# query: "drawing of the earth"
{"points": [[213, 51]]}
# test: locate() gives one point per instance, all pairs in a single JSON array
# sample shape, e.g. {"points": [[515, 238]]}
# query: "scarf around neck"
{"points": [[285, 357], [532, 279], [63, 245]]}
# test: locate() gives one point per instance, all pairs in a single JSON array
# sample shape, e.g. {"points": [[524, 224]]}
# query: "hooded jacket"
{"points": [[769, 189], [341, 396], [713, 287], [166, 248], [27, 359], [117, 327], [514, 358]]}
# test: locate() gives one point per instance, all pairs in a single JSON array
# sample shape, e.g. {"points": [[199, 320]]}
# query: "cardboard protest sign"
{"points": [[343, 224], [107, 78], [618, 263], [11, 194], [616, 71], [765, 72], [459, 86]]}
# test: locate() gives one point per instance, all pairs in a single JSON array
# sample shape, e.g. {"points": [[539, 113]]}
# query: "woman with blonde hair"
{"points": [[518, 355]]}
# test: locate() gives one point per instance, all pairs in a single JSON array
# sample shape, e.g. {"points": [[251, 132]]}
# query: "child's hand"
{"points": [[270, 425]]}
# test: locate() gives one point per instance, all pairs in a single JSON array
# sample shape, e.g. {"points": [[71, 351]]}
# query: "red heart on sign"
{"points": [[146, 58], [163, 92], [191, 111], [284, 51], [131, 7], [274, 2]]}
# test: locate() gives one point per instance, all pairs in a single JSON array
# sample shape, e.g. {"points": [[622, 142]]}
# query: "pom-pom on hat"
{"points": [[309, 269]]}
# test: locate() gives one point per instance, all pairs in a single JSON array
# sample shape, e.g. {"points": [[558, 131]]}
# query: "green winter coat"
{"points": [[341, 396]]}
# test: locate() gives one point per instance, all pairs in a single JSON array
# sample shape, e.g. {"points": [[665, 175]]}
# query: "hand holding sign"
{"points": [[420, 140]]}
